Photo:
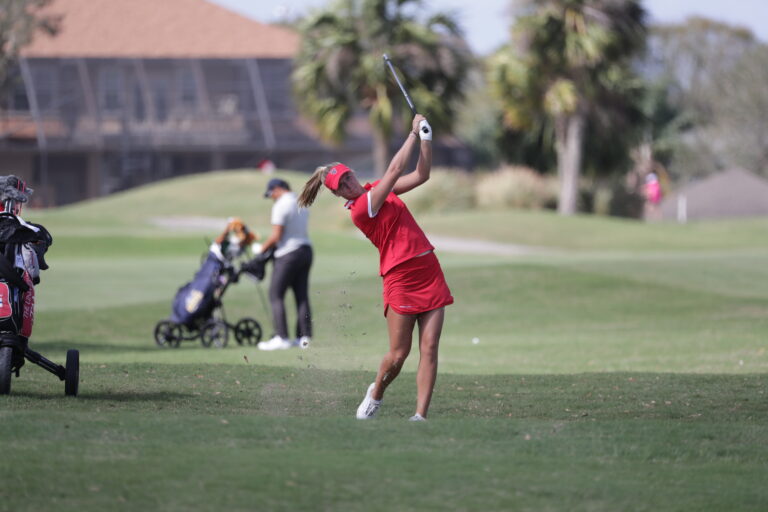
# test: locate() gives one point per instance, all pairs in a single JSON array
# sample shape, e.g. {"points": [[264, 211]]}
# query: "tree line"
{"points": [[582, 88]]}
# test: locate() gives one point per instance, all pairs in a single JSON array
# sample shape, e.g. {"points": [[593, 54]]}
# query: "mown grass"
{"points": [[246, 437], [599, 233], [622, 368]]}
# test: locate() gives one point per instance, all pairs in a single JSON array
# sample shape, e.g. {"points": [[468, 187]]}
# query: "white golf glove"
{"points": [[425, 131]]}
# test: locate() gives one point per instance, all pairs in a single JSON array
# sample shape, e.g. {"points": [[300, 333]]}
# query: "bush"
{"points": [[447, 189], [516, 187], [626, 203]]}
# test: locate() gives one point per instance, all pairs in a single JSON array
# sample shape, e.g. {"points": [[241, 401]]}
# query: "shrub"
{"points": [[516, 187], [447, 189], [625, 202]]}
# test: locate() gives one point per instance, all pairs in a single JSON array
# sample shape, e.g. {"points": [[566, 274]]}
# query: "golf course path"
{"points": [[441, 243], [471, 246], [184, 223]]}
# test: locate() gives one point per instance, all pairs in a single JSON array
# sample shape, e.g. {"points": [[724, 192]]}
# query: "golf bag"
{"points": [[196, 299], [197, 311], [22, 256], [22, 249]]}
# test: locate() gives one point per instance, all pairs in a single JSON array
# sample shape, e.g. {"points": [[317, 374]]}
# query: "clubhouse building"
{"points": [[133, 91]]}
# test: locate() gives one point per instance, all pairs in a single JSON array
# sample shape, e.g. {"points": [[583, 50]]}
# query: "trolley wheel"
{"points": [[72, 373], [248, 330], [214, 332], [167, 334], [6, 361]]}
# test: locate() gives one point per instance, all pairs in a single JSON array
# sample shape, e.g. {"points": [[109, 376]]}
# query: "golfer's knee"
{"points": [[428, 351], [397, 358]]}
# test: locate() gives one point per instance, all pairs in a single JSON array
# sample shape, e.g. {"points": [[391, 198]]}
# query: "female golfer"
{"points": [[415, 290]]}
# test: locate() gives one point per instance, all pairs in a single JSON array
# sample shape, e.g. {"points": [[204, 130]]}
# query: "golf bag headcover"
{"points": [[235, 238], [13, 193], [31, 241]]}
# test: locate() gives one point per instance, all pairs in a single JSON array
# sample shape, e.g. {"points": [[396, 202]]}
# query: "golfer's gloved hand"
{"points": [[425, 131]]}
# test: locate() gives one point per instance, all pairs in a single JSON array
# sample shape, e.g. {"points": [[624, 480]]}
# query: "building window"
{"points": [[229, 87], [44, 81], [139, 111], [187, 89], [111, 89], [159, 90], [19, 100]]}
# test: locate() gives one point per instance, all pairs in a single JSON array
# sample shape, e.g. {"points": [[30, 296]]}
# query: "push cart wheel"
{"points": [[167, 334], [6, 361], [72, 373], [214, 332], [247, 330]]}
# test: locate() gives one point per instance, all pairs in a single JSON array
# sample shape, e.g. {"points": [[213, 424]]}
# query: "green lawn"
{"points": [[620, 366]]}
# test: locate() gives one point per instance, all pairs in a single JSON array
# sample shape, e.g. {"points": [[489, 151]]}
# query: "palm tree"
{"points": [[20, 20], [339, 68], [569, 64]]}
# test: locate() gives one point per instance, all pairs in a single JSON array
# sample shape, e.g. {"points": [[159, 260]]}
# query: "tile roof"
{"points": [[160, 29]]}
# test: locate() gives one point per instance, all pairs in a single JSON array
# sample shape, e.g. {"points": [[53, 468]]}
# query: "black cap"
{"points": [[274, 183]]}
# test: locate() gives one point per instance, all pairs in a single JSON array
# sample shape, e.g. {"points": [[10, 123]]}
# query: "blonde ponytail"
{"points": [[313, 185]]}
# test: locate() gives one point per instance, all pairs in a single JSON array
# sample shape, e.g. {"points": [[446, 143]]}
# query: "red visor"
{"points": [[334, 176]]}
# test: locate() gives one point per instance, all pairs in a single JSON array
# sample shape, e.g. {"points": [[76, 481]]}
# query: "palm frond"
{"points": [[339, 69]]}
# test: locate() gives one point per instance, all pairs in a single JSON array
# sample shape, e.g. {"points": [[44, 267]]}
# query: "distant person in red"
{"points": [[266, 166], [415, 290], [652, 191]]}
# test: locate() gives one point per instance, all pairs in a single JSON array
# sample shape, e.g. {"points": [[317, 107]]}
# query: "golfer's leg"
{"points": [[400, 336], [430, 327], [300, 287], [277, 288]]}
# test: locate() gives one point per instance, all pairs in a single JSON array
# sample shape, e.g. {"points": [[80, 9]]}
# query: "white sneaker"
{"points": [[368, 407], [302, 342], [276, 343], [417, 417]]}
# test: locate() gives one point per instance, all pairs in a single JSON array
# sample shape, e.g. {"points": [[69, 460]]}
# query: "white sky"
{"points": [[486, 22]]}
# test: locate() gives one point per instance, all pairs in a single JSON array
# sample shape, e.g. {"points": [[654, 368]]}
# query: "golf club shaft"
{"points": [[400, 84]]}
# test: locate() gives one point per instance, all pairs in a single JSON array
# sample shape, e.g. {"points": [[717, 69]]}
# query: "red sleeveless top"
{"points": [[393, 230]]}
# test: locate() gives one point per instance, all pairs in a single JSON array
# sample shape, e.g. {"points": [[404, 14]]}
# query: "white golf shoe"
{"points": [[368, 407], [275, 343], [302, 342], [417, 417]]}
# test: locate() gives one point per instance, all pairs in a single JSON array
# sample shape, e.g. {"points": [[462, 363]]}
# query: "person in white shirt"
{"points": [[293, 259]]}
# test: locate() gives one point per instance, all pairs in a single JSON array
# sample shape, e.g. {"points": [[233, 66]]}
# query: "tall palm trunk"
{"points": [[569, 146], [380, 152]]}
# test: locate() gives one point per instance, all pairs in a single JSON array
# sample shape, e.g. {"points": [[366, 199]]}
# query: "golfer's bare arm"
{"points": [[396, 167], [274, 237], [420, 175]]}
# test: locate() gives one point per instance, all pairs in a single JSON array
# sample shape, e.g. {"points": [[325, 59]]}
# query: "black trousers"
{"points": [[292, 271]]}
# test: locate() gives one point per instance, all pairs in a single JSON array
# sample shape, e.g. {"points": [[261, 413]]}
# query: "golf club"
{"points": [[400, 84]]}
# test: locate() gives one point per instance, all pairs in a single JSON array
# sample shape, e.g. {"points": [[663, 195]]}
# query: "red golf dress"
{"points": [[413, 280]]}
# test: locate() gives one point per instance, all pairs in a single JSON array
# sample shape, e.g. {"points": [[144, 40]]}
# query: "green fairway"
{"points": [[617, 366]]}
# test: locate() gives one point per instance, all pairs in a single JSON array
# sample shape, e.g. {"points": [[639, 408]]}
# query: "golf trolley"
{"points": [[13, 351], [22, 249], [198, 311], [209, 325]]}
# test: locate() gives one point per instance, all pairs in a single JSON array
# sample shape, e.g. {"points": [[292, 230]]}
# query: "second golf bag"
{"points": [[196, 298], [197, 310]]}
